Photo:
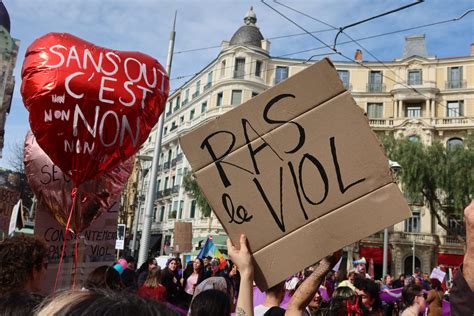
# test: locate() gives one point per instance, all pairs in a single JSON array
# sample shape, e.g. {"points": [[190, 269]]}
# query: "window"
{"points": [[254, 94], [158, 185], [166, 183], [258, 68], [344, 76], [162, 213], [179, 176], [170, 153], [415, 77], [165, 130], [236, 97], [375, 81], [170, 106], [414, 138], [223, 68], [181, 204], [173, 181], [203, 107], [181, 119], [413, 111], [454, 142], [209, 81], [177, 101], [198, 88], [455, 108], [455, 78], [155, 213], [413, 224], [239, 70], [220, 96], [281, 74], [375, 110], [192, 212], [191, 114]]}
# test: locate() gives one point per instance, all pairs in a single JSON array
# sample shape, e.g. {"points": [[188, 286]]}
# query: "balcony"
{"points": [[176, 108], [456, 84], [452, 121], [173, 127], [207, 86], [173, 163], [185, 101], [419, 238], [179, 157], [169, 113], [166, 165], [159, 194], [175, 189], [239, 74], [375, 87], [377, 237], [166, 192], [380, 123], [195, 94]]}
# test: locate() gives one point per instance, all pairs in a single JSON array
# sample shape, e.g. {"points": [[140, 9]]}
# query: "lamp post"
{"points": [[395, 167], [142, 176]]}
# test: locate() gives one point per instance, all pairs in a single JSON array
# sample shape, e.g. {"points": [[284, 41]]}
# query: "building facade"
{"points": [[442, 108], [8, 53]]}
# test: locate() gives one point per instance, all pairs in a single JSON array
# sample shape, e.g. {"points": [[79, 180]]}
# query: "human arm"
{"points": [[306, 291], [243, 259]]}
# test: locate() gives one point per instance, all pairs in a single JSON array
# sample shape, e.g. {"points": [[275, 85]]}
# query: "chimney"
{"points": [[472, 49], [358, 55]]}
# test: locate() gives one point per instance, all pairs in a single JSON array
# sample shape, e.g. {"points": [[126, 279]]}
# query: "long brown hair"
{"points": [[154, 277]]}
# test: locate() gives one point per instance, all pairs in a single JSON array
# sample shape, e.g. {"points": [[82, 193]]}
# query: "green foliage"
{"points": [[191, 186], [444, 176]]}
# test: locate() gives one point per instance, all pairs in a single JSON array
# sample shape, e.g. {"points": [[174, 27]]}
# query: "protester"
{"points": [[192, 276], [211, 302], [19, 304], [273, 297], [142, 272], [435, 298], [306, 291], [207, 263], [344, 302], [215, 269], [234, 277], [151, 288], [368, 292], [104, 277], [23, 264], [462, 292], [101, 302], [400, 282], [172, 281], [387, 286], [413, 299], [350, 280], [129, 278]]}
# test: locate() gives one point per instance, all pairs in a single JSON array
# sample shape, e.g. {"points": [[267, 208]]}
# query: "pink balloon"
{"points": [[53, 188]]}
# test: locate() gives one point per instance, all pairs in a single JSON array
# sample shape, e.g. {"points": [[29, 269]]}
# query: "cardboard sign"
{"points": [[183, 235], [439, 274], [8, 199], [120, 242], [96, 246], [298, 170]]}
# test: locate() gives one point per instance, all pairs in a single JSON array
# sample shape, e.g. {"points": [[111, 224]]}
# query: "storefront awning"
{"points": [[375, 254], [450, 259]]}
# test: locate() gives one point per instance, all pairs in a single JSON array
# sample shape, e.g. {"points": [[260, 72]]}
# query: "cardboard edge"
{"points": [[383, 207]]}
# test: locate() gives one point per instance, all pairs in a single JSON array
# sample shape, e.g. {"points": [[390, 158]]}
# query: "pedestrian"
{"points": [[413, 299], [152, 288], [400, 282], [129, 277], [142, 272], [435, 298], [192, 276], [172, 282]]}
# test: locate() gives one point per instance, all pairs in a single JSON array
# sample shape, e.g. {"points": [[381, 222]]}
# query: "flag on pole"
{"points": [[209, 249]]}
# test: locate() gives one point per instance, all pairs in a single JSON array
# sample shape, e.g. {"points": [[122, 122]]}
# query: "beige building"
{"points": [[8, 52], [442, 108]]}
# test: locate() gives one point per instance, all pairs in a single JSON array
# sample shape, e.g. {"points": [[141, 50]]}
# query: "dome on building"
{"points": [[248, 34], [4, 17]]}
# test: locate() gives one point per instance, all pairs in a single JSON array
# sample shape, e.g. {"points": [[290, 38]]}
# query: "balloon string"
{"points": [[66, 234], [76, 254]]}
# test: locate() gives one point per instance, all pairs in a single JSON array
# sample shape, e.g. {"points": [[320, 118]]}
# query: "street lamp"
{"points": [[142, 176], [395, 167]]}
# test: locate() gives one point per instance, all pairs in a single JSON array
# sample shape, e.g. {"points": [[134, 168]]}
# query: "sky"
{"points": [[145, 25]]}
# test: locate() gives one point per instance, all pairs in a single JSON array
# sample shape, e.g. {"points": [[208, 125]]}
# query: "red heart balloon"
{"points": [[53, 189], [90, 107]]}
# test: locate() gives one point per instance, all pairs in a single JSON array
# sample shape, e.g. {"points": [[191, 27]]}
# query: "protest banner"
{"points": [[439, 274], [96, 246], [120, 242], [183, 235], [8, 199], [298, 170]]}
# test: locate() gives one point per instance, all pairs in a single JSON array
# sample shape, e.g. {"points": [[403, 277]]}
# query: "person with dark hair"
{"points": [[104, 277], [435, 298], [172, 282], [369, 293], [234, 276], [400, 282], [142, 272], [23, 264], [129, 278], [273, 297], [19, 304], [152, 288], [101, 302], [351, 276], [414, 300], [211, 302], [192, 276], [344, 302]]}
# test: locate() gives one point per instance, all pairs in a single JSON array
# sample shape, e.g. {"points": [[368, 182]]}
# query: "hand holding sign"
{"points": [[90, 107], [52, 187]]}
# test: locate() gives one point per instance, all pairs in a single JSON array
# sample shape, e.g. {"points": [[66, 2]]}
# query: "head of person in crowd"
{"points": [[189, 268], [207, 261], [233, 271], [154, 277], [316, 302], [104, 277], [276, 293], [103, 302], [275, 311], [361, 269], [19, 304], [408, 281], [344, 302], [215, 266], [351, 276], [388, 280], [216, 283], [369, 293], [149, 264], [23, 264], [413, 298], [197, 265], [130, 262], [211, 302], [172, 265], [436, 285]]}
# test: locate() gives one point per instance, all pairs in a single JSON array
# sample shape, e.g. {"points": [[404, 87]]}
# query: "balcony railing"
{"points": [[173, 127], [179, 157], [166, 165], [418, 237], [195, 94], [377, 122], [176, 108], [456, 84], [166, 192], [175, 189], [207, 86], [451, 121], [375, 87], [185, 101], [173, 163], [239, 74]]}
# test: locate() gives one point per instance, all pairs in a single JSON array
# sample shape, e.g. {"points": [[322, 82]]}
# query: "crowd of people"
{"points": [[208, 287]]}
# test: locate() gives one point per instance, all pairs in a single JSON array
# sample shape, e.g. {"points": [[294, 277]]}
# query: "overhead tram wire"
{"points": [[358, 62]]}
